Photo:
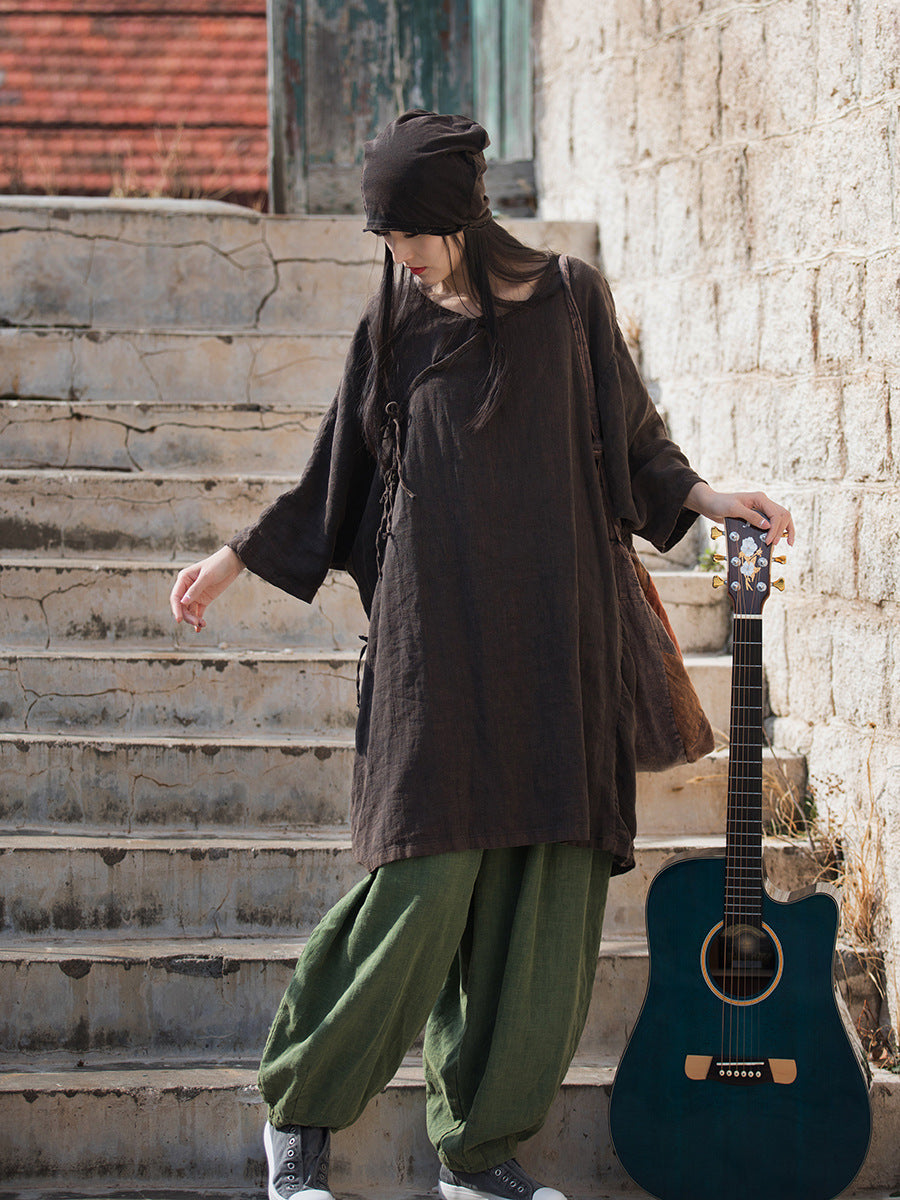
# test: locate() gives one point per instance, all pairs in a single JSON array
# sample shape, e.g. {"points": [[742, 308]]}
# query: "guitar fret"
{"points": [[743, 847]]}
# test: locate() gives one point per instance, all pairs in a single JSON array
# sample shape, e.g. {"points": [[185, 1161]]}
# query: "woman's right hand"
{"points": [[198, 585]]}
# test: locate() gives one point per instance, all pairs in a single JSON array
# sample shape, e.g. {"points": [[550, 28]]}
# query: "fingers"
{"points": [[199, 584], [183, 601], [766, 514]]}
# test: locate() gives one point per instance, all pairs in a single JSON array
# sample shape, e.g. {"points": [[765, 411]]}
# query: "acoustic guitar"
{"points": [[741, 1079]]}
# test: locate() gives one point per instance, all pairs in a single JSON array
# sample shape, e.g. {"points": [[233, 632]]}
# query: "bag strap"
{"points": [[584, 358]]}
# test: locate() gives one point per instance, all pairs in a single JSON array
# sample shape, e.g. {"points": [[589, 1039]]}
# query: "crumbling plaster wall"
{"points": [[742, 162]]}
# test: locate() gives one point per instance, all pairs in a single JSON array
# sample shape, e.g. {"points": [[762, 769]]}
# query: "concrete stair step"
{"points": [[213, 997], [232, 692], [241, 272], [185, 1192], [711, 676], [209, 692], [124, 514], [700, 615], [272, 435], [198, 885], [177, 513], [207, 1124], [188, 1192], [115, 783], [118, 783], [143, 267], [692, 798], [165, 370], [208, 997], [66, 602], [48, 601]]}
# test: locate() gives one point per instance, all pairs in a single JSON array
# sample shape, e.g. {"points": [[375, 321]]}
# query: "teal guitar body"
{"points": [[801, 1135], [741, 1080]]}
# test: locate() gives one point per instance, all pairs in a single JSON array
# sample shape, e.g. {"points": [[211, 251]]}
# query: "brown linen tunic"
{"points": [[495, 703]]}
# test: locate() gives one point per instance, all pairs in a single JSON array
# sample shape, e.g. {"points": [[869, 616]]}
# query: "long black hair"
{"points": [[490, 255]]}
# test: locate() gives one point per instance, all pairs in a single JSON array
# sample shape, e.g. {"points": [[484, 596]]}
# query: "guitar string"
{"points": [[737, 1050], [743, 867], [732, 879], [744, 1011], [741, 1047], [744, 832], [724, 1050], [748, 1012], [748, 831]]}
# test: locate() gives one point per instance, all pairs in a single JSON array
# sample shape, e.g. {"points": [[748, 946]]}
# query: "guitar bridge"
{"points": [[740, 1071]]}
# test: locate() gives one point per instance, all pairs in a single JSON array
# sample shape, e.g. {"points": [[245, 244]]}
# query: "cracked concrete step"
{"points": [[221, 272], [47, 601], [213, 997], [120, 369], [61, 602], [208, 998], [159, 691], [297, 691], [207, 1124], [93, 267], [135, 513], [124, 1192], [117, 783], [183, 1192], [201, 886], [242, 885], [126, 514]]}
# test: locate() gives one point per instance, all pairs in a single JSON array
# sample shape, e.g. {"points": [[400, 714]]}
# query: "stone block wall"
{"points": [[741, 159]]}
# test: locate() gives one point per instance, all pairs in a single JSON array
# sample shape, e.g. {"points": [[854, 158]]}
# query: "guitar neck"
{"points": [[743, 846]]}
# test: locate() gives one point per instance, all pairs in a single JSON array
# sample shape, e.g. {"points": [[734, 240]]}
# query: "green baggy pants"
{"points": [[495, 949]]}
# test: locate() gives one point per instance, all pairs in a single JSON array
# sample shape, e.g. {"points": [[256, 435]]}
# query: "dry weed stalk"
{"points": [[171, 173], [848, 849]]}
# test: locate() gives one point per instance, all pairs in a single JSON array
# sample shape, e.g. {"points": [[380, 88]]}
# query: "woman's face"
{"points": [[431, 258]]}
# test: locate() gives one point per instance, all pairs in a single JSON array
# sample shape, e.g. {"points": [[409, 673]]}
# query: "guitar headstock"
{"points": [[749, 567]]}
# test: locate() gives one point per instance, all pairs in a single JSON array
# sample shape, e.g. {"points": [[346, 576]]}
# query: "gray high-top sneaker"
{"points": [[505, 1182], [298, 1162]]}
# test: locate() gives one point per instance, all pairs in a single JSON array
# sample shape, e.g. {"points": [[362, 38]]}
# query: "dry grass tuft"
{"points": [[847, 846]]}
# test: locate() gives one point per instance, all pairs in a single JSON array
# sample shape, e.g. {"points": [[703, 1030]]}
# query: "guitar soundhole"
{"points": [[742, 962]]}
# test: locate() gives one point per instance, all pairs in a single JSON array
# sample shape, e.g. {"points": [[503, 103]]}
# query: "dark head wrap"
{"points": [[424, 174]]}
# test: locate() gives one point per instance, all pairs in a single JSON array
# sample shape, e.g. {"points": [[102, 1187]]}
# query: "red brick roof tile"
{"points": [[134, 96]]}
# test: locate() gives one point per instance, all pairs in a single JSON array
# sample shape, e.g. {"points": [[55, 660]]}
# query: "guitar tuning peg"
{"points": [[779, 558], [778, 583], [716, 532], [719, 558], [718, 581]]}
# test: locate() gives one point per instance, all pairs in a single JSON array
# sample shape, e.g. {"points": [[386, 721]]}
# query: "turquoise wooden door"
{"points": [[341, 69]]}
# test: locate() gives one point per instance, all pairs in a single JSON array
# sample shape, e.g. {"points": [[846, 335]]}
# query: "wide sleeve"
{"points": [[312, 527], [648, 475]]}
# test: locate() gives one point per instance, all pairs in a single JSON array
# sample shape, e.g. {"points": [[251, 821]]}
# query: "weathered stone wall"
{"points": [[742, 162]]}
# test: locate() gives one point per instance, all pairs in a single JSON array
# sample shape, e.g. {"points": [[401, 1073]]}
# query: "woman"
{"points": [[454, 476]]}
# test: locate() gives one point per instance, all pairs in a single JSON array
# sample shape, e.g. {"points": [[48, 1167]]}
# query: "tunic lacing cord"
{"points": [[393, 478], [359, 666]]}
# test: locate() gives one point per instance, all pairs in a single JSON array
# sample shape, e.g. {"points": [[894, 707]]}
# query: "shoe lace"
{"points": [[510, 1179], [290, 1181]]}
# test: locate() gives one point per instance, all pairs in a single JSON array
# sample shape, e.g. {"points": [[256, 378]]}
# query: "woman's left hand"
{"points": [[755, 507]]}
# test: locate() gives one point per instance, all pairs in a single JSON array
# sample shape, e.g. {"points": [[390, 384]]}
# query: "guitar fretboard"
{"points": [[743, 845]]}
